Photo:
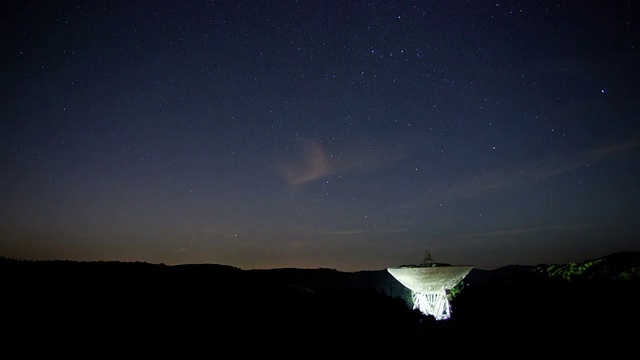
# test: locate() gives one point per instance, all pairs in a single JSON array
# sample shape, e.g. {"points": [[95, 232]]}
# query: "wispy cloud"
{"points": [[517, 231], [316, 163], [298, 243], [534, 172], [345, 232], [502, 180], [349, 232], [216, 232]]}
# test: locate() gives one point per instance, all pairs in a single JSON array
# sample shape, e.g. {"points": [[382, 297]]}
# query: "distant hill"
{"points": [[316, 313]]}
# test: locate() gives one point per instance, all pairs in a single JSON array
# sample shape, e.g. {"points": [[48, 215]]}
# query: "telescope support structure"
{"points": [[434, 303]]}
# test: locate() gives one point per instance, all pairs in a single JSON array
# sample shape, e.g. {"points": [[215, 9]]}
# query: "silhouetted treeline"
{"points": [[209, 310]]}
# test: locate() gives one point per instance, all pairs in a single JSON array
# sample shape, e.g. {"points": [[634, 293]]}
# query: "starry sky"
{"points": [[351, 135]]}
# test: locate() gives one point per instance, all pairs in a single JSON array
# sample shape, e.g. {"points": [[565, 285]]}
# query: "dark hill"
{"points": [[78, 308]]}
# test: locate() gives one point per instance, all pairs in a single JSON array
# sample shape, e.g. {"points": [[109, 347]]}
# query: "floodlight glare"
{"points": [[430, 285]]}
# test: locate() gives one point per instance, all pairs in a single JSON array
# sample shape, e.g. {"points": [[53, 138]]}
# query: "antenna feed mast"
{"points": [[427, 259]]}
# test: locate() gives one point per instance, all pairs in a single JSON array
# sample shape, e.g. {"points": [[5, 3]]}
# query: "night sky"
{"points": [[351, 135]]}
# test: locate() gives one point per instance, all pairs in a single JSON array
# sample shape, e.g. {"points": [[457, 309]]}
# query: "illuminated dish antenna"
{"points": [[430, 285]]}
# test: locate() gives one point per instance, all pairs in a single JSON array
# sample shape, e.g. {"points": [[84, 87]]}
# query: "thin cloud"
{"points": [[533, 172], [362, 231], [314, 165], [216, 233], [299, 243], [345, 232], [501, 181], [516, 231], [317, 164]]}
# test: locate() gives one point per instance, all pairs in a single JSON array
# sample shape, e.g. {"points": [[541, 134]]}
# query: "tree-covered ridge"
{"points": [[622, 266], [567, 271]]}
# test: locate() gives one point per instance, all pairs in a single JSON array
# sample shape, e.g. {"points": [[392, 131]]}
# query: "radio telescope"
{"points": [[430, 285]]}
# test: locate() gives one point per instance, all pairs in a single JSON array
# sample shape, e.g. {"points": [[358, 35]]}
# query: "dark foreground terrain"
{"points": [[141, 310]]}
